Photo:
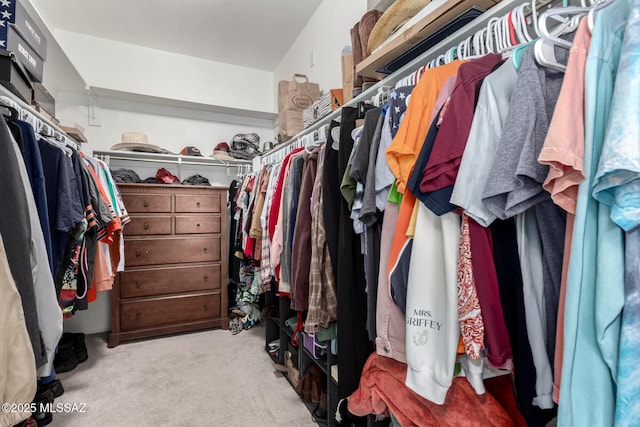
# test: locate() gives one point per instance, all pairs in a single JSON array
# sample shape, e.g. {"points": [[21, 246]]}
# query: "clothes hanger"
{"points": [[567, 24], [591, 17], [11, 106], [544, 48]]}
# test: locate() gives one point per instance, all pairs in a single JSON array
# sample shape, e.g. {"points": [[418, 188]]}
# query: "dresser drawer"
{"points": [[198, 202], [197, 224], [168, 311], [147, 202], [142, 283], [143, 225], [168, 250]]}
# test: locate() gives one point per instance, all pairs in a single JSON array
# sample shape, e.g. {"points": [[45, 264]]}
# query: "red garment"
{"points": [[442, 168], [498, 346], [277, 195], [382, 389]]}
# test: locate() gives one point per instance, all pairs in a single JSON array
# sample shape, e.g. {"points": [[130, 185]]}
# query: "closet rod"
{"points": [[500, 9], [29, 109]]}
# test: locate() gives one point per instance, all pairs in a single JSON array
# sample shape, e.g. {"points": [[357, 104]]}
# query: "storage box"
{"points": [[14, 77], [312, 344], [42, 99], [15, 14], [25, 54]]}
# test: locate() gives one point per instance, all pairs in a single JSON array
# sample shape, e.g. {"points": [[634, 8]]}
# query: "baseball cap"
{"points": [[221, 152], [191, 151]]}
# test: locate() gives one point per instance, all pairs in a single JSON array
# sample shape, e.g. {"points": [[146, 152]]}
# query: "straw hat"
{"points": [[138, 141], [392, 19]]}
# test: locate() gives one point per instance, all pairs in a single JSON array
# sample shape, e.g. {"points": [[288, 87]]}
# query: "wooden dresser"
{"points": [[175, 253]]}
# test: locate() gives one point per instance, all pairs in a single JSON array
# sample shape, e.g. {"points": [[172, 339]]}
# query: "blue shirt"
{"points": [[595, 283], [617, 184]]}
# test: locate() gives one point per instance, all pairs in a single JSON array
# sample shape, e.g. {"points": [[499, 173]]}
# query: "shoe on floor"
{"points": [[65, 359], [55, 386], [80, 348], [43, 396]]}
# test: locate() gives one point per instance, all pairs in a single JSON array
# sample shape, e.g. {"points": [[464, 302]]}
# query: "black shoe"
{"points": [[65, 359], [55, 386], [80, 348], [44, 395]]}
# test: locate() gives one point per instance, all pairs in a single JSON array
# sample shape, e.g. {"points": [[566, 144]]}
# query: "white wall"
{"points": [[326, 33], [136, 69], [170, 128]]}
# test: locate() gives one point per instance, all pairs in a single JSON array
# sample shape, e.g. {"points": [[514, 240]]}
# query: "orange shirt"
{"points": [[404, 150]]}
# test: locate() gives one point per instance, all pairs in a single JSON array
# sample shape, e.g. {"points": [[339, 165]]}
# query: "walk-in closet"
{"points": [[297, 213]]}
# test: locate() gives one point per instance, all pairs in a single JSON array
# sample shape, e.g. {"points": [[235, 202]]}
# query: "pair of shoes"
{"points": [[71, 351], [55, 386]]}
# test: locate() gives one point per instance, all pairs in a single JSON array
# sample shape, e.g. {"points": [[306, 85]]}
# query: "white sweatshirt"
{"points": [[432, 305]]}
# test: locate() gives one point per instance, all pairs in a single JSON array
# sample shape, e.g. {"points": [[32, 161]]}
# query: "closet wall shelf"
{"points": [[500, 9], [107, 155], [106, 98]]}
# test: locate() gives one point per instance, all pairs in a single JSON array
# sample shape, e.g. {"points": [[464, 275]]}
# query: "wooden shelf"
{"points": [[435, 16]]}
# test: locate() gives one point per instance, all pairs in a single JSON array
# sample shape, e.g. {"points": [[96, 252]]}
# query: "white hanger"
{"points": [[592, 13], [567, 24]]}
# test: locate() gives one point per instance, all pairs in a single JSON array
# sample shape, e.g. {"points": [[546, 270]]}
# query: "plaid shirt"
{"points": [[323, 303], [266, 270]]}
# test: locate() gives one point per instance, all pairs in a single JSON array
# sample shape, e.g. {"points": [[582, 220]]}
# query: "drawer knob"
{"points": [[205, 250], [146, 226], [138, 314], [206, 278], [138, 252], [206, 307], [138, 284], [145, 203], [197, 225], [198, 204]]}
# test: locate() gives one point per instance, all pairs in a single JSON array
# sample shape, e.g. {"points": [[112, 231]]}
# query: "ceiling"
{"points": [[250, 33]]}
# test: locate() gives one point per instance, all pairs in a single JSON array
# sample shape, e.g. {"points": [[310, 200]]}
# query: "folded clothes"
{"points": [[125, 175], [196, 180], [240, 154]]}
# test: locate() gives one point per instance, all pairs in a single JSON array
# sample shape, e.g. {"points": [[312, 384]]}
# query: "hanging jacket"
{"points": [[17, 372]]}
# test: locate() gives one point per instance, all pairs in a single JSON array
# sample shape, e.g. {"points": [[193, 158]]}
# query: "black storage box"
{"points": [[14, 77], [42, 99]]}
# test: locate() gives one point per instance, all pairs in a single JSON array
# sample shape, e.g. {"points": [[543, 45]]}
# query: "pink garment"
{"points": [[563, 151], [382, 389], [443, 96], [390, 321], [563, 148], [277, 242]]}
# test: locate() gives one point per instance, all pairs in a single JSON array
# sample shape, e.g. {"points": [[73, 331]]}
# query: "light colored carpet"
{"points": [[210, 378]]}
